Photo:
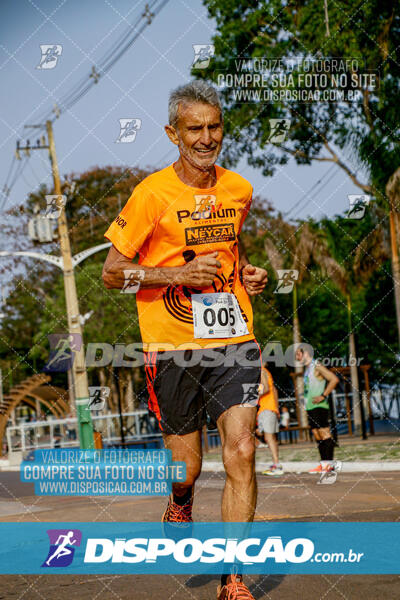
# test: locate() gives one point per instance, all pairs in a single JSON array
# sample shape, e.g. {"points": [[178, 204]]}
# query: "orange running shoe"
{"points": [[234, 589], [319, 469], [174, 513]]}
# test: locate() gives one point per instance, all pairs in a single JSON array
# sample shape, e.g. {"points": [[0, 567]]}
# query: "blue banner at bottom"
{"points": [[207, 548]]}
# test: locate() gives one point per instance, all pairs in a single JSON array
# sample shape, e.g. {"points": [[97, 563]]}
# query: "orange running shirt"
{"points": [[267, 401], [165, 218]]}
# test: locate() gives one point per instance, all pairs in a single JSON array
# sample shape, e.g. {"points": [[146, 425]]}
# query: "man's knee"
{"points": [[239, 451], [316, 434], [192, 474], [325, 433], [191, 477]]}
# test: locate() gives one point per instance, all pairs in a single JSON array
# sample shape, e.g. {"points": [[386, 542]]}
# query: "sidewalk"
{"points": [[378, 453], [304, 467]]}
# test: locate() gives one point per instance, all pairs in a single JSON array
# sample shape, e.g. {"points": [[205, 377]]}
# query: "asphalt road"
{"points": [[355, 497]]}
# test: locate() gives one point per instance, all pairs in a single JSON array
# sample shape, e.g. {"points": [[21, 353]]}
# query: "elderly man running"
{"points": [[194, 309]]}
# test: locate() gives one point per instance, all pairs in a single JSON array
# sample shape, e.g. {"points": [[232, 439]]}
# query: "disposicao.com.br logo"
{"points": [[180, 549], [200, 548]]}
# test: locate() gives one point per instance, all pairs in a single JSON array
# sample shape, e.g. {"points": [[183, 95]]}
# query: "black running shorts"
{"points": [[187, 385], [318, 417]]}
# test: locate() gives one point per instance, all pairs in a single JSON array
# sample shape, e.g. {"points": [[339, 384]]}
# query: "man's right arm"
{"points": [[198, 273]]}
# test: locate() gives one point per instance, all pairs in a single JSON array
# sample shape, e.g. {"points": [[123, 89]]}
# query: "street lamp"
{"points": [[74, 326]]}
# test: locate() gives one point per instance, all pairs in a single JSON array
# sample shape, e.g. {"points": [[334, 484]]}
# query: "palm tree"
{"points": [[293, 251], [367, 256]]}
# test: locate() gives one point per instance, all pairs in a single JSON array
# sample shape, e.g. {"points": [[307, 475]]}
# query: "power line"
{"points": [[316, 192], [306, 195], [35, 175], [81, 88], [106, 62], [6, 188], [28, 183], [18, 172], [14, 158]]}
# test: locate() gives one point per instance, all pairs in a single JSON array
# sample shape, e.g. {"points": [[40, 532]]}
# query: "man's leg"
{"points": [[327, 444], [318, 439], [270, 439], [236, 427], [185, 448], [316, 434]]}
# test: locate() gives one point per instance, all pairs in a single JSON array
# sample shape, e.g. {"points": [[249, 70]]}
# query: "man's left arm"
{"points": [[254, 278]]}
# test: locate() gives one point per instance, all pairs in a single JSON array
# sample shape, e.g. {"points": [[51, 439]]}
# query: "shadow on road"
{"points": [[259, 588]]}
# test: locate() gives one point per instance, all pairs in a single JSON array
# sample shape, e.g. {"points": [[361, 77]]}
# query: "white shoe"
{"points": [[274, 470], [330, 472]]}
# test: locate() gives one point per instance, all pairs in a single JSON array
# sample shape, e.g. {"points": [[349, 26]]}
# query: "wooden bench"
{"points": [[290, 430], [144, 442]]}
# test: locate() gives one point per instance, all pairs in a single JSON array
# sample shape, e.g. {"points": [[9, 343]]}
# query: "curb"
{"points": [[304, 467], [289, 467]]}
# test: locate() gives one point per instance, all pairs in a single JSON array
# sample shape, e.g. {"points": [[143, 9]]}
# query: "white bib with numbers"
{"points": [[217, 316]]}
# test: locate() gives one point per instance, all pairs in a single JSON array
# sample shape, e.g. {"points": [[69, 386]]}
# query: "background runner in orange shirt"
{"points": [[268, 420]]}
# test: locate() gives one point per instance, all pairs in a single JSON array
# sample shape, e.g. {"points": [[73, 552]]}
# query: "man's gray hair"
{"points": [[195, 91]]}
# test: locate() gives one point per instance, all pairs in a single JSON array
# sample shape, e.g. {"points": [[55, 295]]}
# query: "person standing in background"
{"points": [[319, 382], [268, 420], [285, 418]]}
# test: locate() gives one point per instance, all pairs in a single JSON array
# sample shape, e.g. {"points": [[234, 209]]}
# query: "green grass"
{"points": [[370, 451]]}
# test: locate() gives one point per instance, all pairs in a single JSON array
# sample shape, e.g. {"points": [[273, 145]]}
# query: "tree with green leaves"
{"points": [[358, 133], [289, 248], [350, 263], [35, 306]]}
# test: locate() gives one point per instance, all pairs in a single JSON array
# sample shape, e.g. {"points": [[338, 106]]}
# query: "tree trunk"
{"points": [[135, 383], [105, 382], [395, 269], [114, 394], [129, 396], [299, 380], [393, 193], [355, 389]]}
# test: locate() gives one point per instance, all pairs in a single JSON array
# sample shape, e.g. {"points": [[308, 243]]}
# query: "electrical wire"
{"points": [[86, 83], [105, 63], [18, 172], [324, 184], [306, 195], [35, 175]]}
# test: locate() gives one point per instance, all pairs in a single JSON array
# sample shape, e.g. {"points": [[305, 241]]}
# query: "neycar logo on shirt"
{"points": [[206, 234]]}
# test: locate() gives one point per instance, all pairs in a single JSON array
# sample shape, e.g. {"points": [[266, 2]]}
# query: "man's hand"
{"points": [[318, 399], [254, 279], [199, 272]]}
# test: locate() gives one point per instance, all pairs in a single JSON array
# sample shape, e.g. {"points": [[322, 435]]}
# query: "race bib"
{"points": [[217, 316]]}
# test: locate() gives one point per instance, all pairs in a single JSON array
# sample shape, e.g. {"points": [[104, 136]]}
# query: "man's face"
{"points": [[198, 134], [301, 356]]}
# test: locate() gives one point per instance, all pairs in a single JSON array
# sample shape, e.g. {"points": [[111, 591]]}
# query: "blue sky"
{"points": [[136, 87]]}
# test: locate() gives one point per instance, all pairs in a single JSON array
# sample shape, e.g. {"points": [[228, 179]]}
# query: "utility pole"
{"points": [[81, 388]]}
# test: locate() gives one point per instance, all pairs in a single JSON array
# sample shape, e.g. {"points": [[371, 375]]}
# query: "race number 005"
{"points": [[222, 316]]}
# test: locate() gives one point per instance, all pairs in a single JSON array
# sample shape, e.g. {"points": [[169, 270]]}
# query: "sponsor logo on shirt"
{"points": [[209, 233], [206, 207], [120, 221]]}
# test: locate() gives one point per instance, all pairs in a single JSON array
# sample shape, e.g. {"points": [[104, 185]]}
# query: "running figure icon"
{"points": [[62, 550], [65, 349]]}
